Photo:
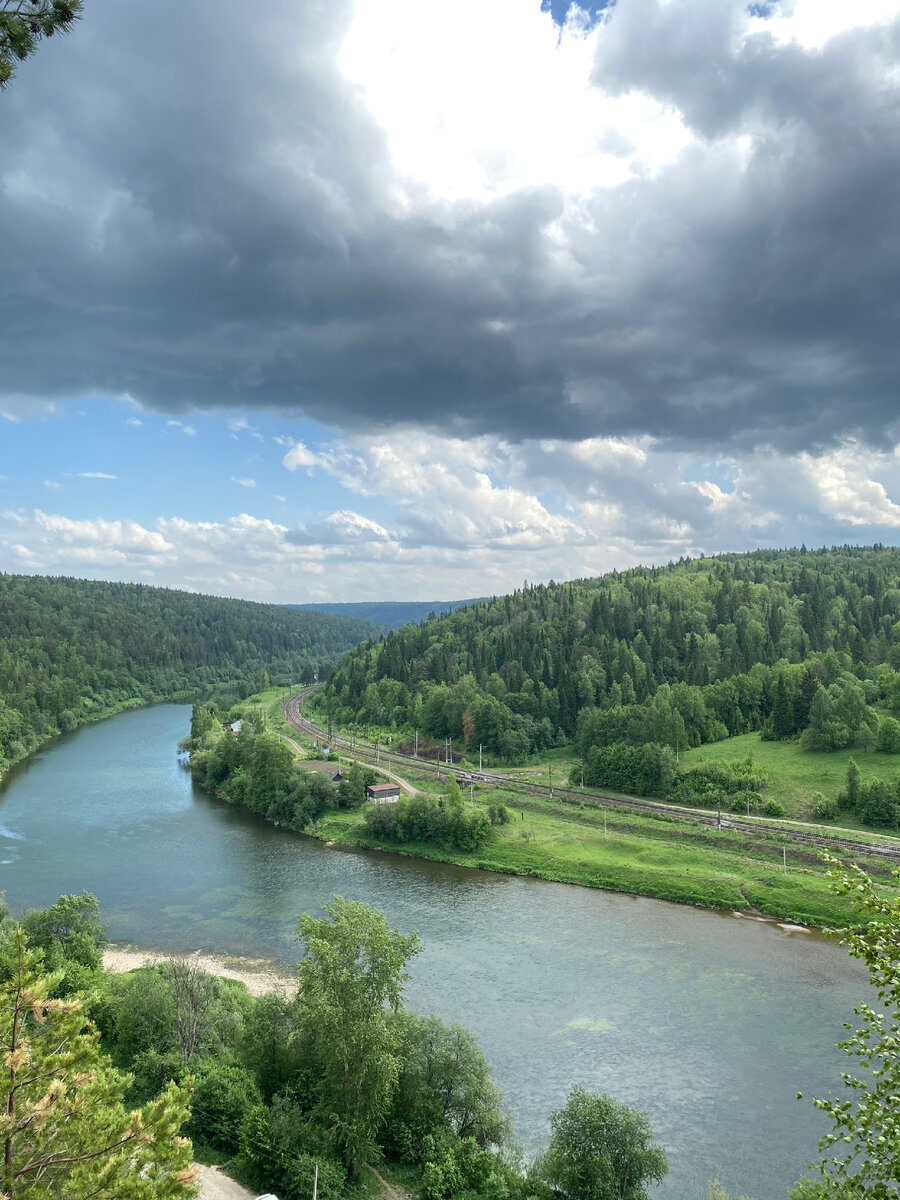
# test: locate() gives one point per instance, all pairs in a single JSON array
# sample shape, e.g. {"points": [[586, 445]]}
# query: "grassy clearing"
{"points": [[665, 859], [793, 773], [618, 850]]}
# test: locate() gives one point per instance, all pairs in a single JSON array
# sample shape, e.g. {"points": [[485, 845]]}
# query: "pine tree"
{"points": [[24, 22], [64, 1128], [782, 712]]}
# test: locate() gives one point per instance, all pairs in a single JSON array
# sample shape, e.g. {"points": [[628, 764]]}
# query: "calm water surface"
{"points": [[709, 1022]]}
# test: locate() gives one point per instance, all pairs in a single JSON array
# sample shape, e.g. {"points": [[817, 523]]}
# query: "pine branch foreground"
{"points": [[24, 22]]}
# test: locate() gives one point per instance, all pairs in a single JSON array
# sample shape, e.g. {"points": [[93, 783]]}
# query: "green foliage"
{"points": [[731, 781], [601, 1150], [223, 1098], [280, 1149], [444, 821], [780, 642], [258, 770], [444, 1086], [823, 808], [352, 788], [74, 648], [717, 1192], [24, 22], [351, 977], [861, 1153], [65, 1128], [647, 770], [71, 938], [773, 808], [888, 740]]}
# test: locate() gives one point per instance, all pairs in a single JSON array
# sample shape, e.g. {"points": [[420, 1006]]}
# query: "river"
{"points": [[710, 1022]]}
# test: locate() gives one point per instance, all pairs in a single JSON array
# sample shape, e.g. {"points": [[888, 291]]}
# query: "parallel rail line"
{"points": [[294, 716]]}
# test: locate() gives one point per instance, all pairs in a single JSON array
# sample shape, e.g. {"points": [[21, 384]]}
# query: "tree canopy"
{"points": [[600, 1149]]}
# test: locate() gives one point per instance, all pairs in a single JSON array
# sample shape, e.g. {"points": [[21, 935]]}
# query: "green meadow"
{"points": [[793, 774]]}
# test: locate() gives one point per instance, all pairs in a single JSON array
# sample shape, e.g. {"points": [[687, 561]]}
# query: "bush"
{"points": [[222, 1100], [773, 808], [823, 808]]}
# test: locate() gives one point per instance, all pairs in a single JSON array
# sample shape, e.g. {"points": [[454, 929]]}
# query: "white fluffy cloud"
{"points": [[478, 517]]}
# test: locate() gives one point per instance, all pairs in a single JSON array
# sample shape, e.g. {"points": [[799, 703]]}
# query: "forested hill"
{"points": [[783, 641], [392, 613], [70, 648]]}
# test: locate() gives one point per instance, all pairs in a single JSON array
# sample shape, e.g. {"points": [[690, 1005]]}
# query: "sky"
{"points": [[399, 299]]}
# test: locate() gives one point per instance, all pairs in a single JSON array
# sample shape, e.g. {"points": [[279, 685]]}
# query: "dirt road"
{"points": [[216, 1186]]}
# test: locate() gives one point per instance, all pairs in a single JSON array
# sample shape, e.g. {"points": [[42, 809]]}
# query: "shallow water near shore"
{"points": [[709, 1022]]}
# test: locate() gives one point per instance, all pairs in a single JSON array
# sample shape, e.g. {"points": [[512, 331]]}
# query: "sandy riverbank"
{"points": [[259, 975]]}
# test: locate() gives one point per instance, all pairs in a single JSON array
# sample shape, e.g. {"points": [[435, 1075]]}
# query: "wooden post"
{"points": [[315, 1182], [719, 811], [550, 774]]}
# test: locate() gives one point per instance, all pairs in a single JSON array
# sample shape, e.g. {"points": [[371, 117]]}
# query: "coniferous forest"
{"points": [[633, 667], [74, 648]]}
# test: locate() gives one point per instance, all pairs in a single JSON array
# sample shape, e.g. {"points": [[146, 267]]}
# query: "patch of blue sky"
{"points": [[560, 8], [763, 9], [115, 461], [722, 472]]}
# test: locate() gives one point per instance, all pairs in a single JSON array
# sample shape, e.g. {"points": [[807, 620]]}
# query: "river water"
{"points": [[710, 1022]]}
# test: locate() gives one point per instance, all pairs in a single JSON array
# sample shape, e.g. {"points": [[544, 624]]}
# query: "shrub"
{"points": [[773, 808], [823, 808]]}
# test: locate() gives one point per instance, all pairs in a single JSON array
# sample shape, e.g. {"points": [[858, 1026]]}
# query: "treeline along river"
{"points": [[710, 1022]]}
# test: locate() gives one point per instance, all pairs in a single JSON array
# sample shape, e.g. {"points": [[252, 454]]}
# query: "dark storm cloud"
{"points": [[197, 211]]}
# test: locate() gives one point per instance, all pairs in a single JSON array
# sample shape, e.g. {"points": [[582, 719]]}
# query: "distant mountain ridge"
{"points": [[393, 614]]}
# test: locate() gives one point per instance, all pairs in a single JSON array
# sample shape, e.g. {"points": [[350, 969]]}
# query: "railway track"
{"points": [[375, 754]]}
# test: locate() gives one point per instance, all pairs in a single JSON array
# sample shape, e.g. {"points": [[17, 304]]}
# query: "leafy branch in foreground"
{"points": [[862, 1151]]}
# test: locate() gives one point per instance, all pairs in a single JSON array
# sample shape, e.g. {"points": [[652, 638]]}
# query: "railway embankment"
{"points": [[626, 844]]}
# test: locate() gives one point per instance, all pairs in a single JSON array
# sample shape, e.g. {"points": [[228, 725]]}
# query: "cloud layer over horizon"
{"points": [[561, 297]]}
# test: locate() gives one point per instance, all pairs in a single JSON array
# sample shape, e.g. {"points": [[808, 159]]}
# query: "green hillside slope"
{"points": [[635, 667], [71, 649]]}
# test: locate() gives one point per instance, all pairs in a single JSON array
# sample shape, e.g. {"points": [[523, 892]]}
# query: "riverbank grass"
{"points": [[639, 860]]}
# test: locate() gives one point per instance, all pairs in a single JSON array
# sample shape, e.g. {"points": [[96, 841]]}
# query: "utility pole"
{"points": [[479, 756], [376, 750], [604, 822], [550, 774], [315, 1182], [719, 811], [416, 755], [582, 772], [748, 801]]}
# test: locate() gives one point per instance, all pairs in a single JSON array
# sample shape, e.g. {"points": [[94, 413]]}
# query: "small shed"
{"points": [[383, 793]]}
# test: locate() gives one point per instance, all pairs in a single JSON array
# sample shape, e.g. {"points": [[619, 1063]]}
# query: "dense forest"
{"points": [[73, 648], [796, 644]]}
